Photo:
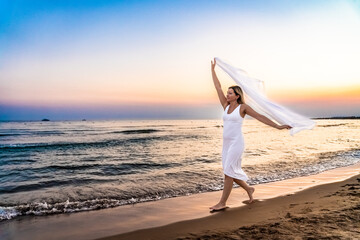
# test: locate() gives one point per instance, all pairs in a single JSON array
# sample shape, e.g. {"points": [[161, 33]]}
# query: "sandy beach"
{"points": [[329, 211]]}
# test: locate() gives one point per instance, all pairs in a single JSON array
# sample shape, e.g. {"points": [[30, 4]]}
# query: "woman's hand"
{"points": [[283, 127], [213, 64]]}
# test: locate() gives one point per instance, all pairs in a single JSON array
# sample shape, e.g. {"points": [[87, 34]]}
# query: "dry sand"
{"points": [[330, 211]]}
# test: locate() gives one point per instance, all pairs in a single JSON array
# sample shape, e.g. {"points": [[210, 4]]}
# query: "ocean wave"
{"points": [[100, 170], [44, 208], [123, 168], [47, 184], [95, 144], [258, 174], [70, 206], [31, 133], [52, 132], [325, 161], [137, 131], [160, 125], [4, 160], [12, 134], [113, 142]]}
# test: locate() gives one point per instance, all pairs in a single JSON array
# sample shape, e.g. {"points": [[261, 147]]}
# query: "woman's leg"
{"points": [[248, 189], [228, 184]]}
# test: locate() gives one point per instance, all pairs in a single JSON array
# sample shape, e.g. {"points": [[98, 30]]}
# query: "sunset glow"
{"points": [[94, 54]]}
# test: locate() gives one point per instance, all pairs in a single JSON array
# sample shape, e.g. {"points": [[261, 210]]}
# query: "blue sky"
{"points": [[150, 59]]}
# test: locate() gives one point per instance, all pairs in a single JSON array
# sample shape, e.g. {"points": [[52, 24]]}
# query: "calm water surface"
{"points": [[69, 166]]}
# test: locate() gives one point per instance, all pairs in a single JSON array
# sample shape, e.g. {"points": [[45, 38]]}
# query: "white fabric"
{"points": [[255, 98], [233, 144]]}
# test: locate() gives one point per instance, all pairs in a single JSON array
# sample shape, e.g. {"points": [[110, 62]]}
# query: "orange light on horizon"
{"points": [[341, 94]]}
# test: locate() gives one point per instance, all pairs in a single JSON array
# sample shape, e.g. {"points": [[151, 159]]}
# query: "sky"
{"points": [[69, 60]]}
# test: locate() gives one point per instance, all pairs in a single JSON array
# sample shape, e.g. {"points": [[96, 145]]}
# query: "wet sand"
{"points": [[330, 211], [277, 210]]}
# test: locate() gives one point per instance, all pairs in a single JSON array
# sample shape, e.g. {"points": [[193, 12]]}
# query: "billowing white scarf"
{"points": [[255, 98]]}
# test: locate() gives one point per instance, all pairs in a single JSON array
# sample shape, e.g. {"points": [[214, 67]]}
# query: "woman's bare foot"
{"points": [[250, 193], [218, 206]]}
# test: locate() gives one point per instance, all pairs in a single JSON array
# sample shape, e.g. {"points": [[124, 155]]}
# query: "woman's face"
{"points": [[231, 96]]}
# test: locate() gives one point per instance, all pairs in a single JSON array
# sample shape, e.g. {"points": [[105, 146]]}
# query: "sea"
{"points": [[58, 167]]}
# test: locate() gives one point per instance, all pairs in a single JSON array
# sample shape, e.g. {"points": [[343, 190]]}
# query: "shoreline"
{"points": [[147, 218], [329, 211]]}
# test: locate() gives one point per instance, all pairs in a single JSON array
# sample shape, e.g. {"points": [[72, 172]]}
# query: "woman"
{"points": [[235, 110]]}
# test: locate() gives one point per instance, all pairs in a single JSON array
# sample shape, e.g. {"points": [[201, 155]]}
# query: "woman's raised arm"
{"points": [[217, 85]]}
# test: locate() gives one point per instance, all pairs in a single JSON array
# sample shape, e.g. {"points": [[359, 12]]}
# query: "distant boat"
{"points": [[45, 120]]}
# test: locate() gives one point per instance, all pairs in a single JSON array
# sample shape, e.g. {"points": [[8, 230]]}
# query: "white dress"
{"points": [[233, 144], [255, 96]]}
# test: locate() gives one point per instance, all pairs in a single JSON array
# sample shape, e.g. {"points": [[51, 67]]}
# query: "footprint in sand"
{"points": [[293, 205]]}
